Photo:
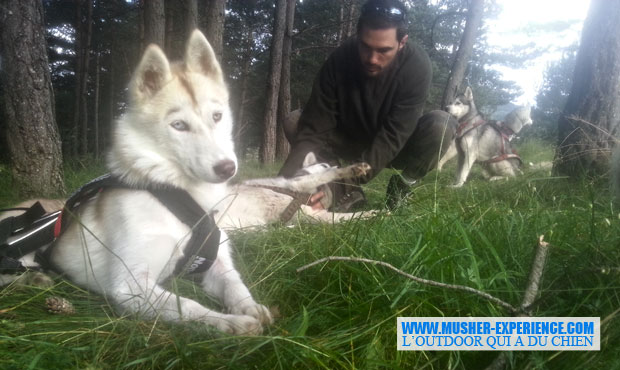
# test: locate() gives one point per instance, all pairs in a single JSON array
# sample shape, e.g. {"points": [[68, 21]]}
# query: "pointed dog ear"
{"points": [[200, 58], [309, 160], [150, 76], [469, 94]]}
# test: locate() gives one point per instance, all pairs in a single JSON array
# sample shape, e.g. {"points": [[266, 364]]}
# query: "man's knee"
{"points": [[291, 126], [438, 124]]}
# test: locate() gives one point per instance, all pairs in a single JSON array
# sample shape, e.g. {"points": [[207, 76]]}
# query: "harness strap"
{"points": [[505, 140], [298, 200], [13, 224], [503, 157], [30, 231], [199, 254], [465, 127], [201, 250]]}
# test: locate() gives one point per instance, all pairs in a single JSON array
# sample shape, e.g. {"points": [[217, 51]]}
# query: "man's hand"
{"points": [[315, 200]]}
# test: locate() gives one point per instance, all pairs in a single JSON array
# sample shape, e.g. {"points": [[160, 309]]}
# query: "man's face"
{"points": [[377, 49]]}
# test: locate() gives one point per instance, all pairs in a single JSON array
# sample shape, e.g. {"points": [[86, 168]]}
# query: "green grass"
{"points": [[341, 315]]}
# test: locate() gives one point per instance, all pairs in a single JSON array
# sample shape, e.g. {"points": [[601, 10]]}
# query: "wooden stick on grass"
{"points": [[420, 280], [531, 292], [529, 296]]}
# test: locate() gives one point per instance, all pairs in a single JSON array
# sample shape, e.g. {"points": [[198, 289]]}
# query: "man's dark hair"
{"points": [[382, 14]]}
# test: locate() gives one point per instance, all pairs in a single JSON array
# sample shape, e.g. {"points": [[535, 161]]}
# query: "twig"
{"points": [[529, 296], [535, 274], [581, 120], [477, 292]]}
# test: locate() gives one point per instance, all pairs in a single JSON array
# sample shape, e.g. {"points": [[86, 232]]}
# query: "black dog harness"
{"points": [[34, 229]]}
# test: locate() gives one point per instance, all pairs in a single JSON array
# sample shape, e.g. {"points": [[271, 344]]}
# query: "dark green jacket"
{"points": [[362, 118]]}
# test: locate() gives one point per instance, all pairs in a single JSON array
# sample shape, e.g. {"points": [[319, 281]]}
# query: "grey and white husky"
{"points": [[485, 142], [175, 133]]}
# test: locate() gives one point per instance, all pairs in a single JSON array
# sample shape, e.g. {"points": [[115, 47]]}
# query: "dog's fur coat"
{"points": [[479, 141], [176, 132]]}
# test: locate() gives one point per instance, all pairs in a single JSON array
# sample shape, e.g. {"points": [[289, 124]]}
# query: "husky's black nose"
{"points": [[225, 169]]}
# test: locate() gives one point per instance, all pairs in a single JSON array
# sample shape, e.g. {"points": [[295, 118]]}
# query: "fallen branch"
{"points": [[477, 292], [530, 294], [538, 265]]}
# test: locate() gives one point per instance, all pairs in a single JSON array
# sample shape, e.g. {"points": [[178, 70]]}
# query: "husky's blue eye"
{"points": [[180, 126], [217, 116]]}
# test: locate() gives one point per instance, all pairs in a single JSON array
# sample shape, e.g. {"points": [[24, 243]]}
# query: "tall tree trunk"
{"points": [[214, 29], [169, 24], [84, 78], [96, 107], [111, 93], [268, 148], [32, 135], [350, 21], [591, 118], [341, 29], [284, 98], [240, 121], [191, 16], [463, 55], [154, 22], [75, 131], [347, 15]]}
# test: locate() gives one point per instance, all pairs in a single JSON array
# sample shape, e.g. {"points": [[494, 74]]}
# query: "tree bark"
{"points": [[214, 30], [463, 54], [87, 37], [96, 107], [268, 148], [32, 135], [154, 23], [75, 131], [240, 121], [284, 98], [347, 12], [591, 118], [169, 25], [191, 16]]}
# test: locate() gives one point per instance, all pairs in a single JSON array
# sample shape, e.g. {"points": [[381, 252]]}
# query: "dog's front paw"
{"points": [[360, 169], [258, 311], [239, 325], [456, 186]]}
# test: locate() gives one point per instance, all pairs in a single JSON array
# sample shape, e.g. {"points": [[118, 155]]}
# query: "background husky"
{"points": [[477, 140]]}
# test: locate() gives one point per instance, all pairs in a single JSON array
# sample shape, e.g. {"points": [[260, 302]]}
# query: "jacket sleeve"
{"points": [[407, 108]]}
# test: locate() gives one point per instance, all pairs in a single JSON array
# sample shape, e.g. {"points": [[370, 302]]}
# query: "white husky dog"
{"points": [[176, 133]]}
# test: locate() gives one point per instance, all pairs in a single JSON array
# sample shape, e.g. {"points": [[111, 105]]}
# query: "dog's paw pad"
{"points": [[360, 169]]}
